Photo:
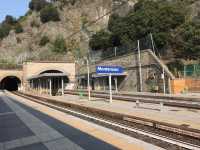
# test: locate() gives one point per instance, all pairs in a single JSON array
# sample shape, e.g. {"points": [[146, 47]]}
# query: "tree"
{"points": [[187, 41], [160, 18], [4, 30], [10, 20], [100, 40], [37, 5], [59, 45], [18, 28], [49, 13]]}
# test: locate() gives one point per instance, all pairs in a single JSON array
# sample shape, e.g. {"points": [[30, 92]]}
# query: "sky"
{"points": [[16, 8]]}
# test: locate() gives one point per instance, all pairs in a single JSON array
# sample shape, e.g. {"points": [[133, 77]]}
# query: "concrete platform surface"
{"points": [[173, 115], [43, 128]]}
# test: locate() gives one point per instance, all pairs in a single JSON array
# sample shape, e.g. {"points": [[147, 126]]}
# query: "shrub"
{"points": [[49, 13], [187, 41], [44, 40], [100, 40], [59, 45], [4, 31], [161, 18], [10, 20], [18, 28], [37, 5]]}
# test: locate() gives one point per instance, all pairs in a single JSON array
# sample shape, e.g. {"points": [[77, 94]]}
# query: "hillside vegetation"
{"points": [[44, 32], [62, 29], [174, 25]]}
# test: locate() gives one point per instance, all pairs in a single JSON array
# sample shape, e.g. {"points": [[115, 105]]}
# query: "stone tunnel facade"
{"points": [[31, 69]]}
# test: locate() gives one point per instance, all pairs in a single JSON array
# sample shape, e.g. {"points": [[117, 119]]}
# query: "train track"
{"points": [[165, 135], [167, 100]]}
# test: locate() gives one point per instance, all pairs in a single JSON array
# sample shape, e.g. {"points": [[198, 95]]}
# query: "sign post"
{"points": [[110, 87], [110, 71]]}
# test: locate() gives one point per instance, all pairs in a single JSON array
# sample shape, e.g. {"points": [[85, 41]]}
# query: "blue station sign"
{"points": [[109, 70]]}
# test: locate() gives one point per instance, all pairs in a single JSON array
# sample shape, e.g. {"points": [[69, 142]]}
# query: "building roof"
{"points": [[47, 75]]}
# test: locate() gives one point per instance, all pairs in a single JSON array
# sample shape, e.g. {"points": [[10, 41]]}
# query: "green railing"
{"points": [[192, 70]]}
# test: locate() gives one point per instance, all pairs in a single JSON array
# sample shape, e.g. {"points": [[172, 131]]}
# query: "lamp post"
{"points": [[86, 59]]}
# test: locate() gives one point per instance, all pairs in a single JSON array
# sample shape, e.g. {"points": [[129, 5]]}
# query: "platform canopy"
{"points": [[47, 75]]}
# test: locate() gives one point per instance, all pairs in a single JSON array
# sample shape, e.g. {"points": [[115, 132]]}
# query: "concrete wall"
{"points": [[152, 67], [6, 73], [35, 68]]}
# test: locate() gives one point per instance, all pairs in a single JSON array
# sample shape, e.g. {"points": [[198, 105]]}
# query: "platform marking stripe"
{"points": [[46, 135]]}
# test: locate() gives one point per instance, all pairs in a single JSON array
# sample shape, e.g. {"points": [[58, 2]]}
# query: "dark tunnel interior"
{"points": [[10, 83]]}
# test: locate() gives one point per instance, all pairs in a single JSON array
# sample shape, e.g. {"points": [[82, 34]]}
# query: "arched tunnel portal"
{"points": [[10, 83]]}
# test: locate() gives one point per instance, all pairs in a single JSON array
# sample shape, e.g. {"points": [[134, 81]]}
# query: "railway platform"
{"points": [[174, 115], [26, 125]]}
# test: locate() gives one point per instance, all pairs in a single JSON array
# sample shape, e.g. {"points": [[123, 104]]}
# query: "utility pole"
{"points": [[163, 77], [115, 49], [110, 87], [152, 42], [88, 78], [140, 66]]}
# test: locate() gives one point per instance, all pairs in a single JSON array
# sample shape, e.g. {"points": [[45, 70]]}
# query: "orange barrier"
{"points": [[185, 85], [178, 86]]}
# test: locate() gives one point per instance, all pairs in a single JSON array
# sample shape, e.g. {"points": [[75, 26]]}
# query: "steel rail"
{"points": [[114, 124], [150, 99]]}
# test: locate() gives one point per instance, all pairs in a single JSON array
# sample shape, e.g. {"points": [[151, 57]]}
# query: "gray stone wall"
{"points": [[126, 61], [151, 71]]}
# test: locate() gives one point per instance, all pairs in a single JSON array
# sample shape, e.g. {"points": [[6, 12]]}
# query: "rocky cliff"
{"points": [[75, 17]]}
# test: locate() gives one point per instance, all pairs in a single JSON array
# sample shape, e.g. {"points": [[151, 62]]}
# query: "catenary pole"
{"points": [[152, 42], [88, 79], [140, 66], [164, 84], [110, 87]]}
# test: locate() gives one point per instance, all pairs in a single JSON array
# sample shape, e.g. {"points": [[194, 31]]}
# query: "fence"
{"points": [[145, 43], [192, 70], [110, 53]]}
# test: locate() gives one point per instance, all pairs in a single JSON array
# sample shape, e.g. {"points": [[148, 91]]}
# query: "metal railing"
{"points": [[103, 54], [110, 53]]}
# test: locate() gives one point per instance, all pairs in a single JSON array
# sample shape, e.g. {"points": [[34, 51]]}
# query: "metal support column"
{"points": [[62, 86], [169, 85], [140, 66], [104, 84], [110, 87], [40, 86], [88, 80], [115, 51], [50, 87], [164, 84], [116, 85]]}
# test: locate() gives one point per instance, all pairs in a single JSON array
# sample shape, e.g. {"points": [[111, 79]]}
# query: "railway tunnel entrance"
{"points": [[10, 83]]}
